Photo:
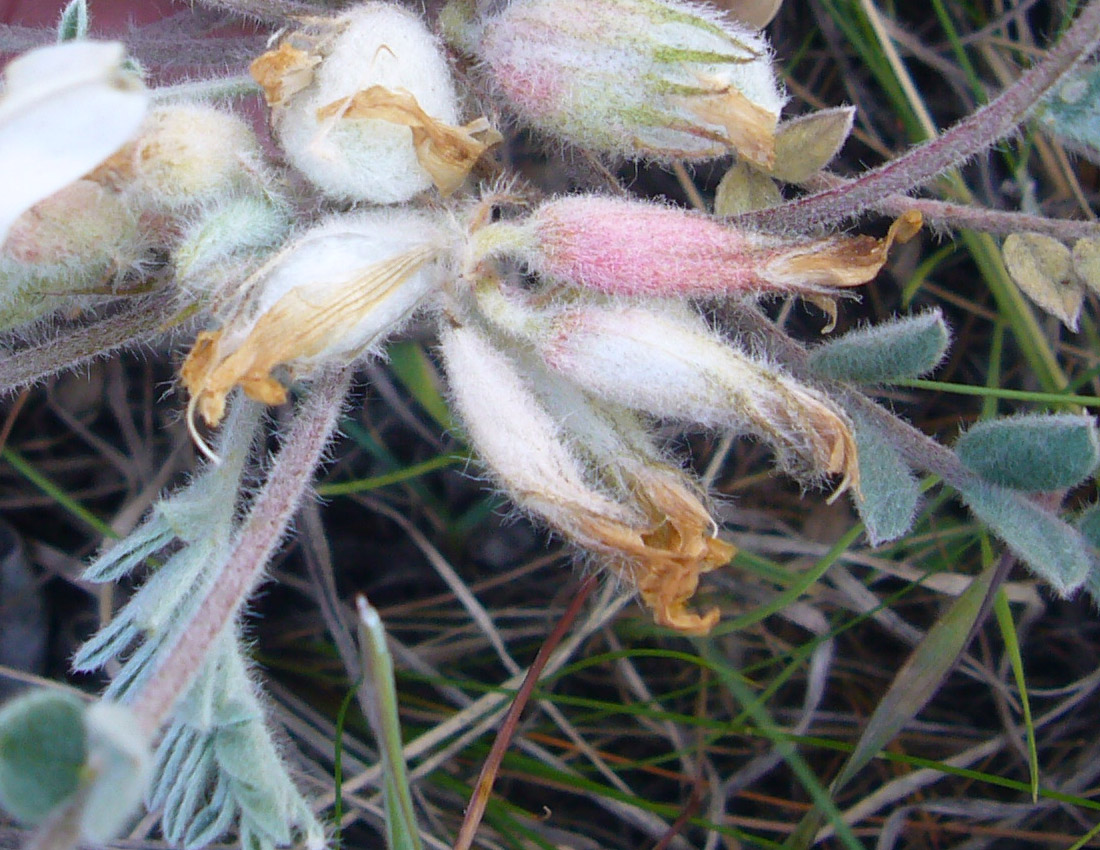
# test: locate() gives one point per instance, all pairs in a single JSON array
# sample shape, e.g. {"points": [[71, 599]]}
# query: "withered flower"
{"points": [[655, 533], [365, 107], [331, 296]]}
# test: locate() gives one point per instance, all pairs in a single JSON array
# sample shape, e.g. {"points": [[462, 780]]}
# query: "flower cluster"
{"points": [[574, 330], [566, 326]]}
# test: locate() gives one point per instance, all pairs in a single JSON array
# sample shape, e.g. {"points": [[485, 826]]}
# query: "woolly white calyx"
{"points": [[657, 535], [186, 154], [675, 367], [366, 107], [331, 296]]}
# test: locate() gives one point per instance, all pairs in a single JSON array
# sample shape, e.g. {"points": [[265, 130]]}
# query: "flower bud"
{"points": [[77, 242], [617, 445], [215, 241], [654, 79], [674, 367], [330, 297], [186, 154], [83, 225], [659, 540], [637, 248], [365, 107]]}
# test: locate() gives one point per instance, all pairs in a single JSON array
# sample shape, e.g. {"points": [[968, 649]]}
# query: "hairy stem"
{"points": [[945, 215], [270, 11], [257, 539], [922, 163], [139, 322]]}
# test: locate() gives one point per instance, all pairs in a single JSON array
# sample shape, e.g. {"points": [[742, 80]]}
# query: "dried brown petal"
{"points": [[296, 328], [839, 261], [447, 153], [750, 128], [283, 72], [827, 306], [665, 559]]}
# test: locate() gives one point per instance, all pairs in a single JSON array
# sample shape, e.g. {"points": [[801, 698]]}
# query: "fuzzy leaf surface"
{"points": [[889, 489], [893, 351], [43, 750], [1054, 550], [1032, 453]]}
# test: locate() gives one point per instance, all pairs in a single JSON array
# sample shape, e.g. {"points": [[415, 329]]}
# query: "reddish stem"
{"points": [[922, 163], [484, 787], [256, 541]]}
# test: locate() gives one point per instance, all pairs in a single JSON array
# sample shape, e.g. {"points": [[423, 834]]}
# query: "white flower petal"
{"points": [[63, 110]]}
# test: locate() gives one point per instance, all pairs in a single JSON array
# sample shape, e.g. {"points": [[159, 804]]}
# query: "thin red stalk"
{"points": [[922, 163], [259, 535], [690, 810], [484, 787], [945, 215]]}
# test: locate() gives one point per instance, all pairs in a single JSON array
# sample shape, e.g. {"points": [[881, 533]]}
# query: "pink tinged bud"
{"points": [[639, 249], [644, 249], [78, 242], [677, 368], [84, 226], [655, 79], [660, 540], [331, 297]]}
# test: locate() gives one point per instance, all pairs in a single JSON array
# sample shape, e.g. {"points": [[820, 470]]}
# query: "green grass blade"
{"points": [[27, 470], [915, 684], [416, 372], [378, 698], [376, 482], [997, 392], [920, 676], [801, 769], [1012, 648], [796, 589]]}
